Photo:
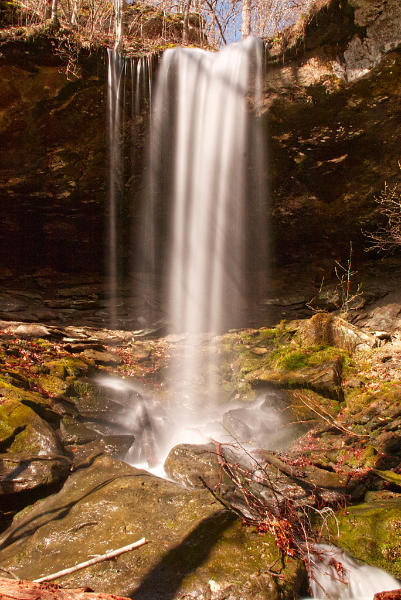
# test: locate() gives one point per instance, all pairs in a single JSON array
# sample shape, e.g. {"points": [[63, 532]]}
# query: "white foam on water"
{"points": [[354, 581]]}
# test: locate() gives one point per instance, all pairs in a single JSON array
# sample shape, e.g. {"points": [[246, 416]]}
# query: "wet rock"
{"points": [[102, 357], [94, 402], [73, 432], [188, 464], [261, 472], [194, 546], [31, 453], [252, 425], [324, 378], [116, 446]]}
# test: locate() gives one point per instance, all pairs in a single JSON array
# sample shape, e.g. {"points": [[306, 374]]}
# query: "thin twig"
{"points": [[93, 561]]}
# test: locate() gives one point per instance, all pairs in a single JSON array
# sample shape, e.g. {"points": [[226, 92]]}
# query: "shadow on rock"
{"points": [[165, 579]]}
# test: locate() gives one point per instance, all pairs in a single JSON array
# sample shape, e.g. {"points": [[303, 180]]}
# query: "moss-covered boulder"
{"points": [[195, 548], [372, 531], [93, 401], [56, 375], [324, 378], [31, 455]]}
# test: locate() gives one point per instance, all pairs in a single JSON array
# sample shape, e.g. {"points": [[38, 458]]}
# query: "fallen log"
{"points": [[30, 590], [394, 595]]}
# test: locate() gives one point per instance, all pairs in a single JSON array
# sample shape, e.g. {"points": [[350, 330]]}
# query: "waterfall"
{"points": [[129, 85], [206, 183], [115, 73], [336, 576]]}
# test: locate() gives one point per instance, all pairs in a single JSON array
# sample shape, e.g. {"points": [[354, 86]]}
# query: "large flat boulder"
{"points": [[195, 548]]}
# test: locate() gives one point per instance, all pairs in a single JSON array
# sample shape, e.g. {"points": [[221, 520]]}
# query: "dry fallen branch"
{"points": [[93, 561], [29, 590]]}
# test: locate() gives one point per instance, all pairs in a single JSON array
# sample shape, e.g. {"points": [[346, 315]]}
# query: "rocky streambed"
{"points": [[332, 453]]}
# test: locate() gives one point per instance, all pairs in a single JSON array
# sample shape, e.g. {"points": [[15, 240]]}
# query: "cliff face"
{"points": [[51, 158], [332, 109], [332, 95]]}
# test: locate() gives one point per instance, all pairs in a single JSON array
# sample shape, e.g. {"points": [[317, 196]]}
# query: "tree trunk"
{"points": [[246, 18], [119, 12], [54, 16], [185, 30], [74, 16]]}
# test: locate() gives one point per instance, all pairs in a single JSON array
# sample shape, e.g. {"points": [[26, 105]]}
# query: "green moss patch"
{"points": [[372, 532]]}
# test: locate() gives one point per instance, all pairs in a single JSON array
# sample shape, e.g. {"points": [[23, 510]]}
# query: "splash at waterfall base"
{"points": [[196, 546]]}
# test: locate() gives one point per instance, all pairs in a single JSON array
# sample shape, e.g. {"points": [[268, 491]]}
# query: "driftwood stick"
{"points": [[93, 561]]}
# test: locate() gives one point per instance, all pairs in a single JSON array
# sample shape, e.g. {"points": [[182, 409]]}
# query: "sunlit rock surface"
{"points": [[195, 546]]}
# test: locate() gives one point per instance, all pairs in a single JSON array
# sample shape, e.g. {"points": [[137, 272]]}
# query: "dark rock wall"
{"points": [[332, 112], [52, 160]]}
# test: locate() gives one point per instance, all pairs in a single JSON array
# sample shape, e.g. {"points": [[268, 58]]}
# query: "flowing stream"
{"points": [[336, 576]]}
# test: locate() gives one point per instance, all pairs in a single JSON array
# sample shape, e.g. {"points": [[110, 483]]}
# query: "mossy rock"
{"points": [[31, 452], [276, 356], [92, 400], [57, 374], [372, 531], [42, 405], [194, 545], [307, 405], [324, 378]]}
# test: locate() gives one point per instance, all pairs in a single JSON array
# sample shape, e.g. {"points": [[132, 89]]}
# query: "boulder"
{"points": [[325, 378], [102, 357], [190, 464], [261, 472], [329, 330], [196, 548], [32, 331], [31, 455]]}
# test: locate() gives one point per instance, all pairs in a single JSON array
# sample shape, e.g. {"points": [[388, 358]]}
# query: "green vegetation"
{"points": [[372, 531]]}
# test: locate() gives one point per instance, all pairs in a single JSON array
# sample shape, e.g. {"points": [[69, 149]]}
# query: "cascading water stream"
{"points": [[115, 73], [336, 576], [129, 84], [204, 138]]}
